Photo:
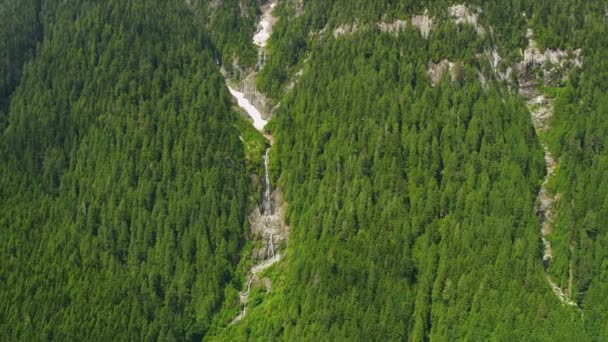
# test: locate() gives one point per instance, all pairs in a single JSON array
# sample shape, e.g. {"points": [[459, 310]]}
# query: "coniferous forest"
{"points": [[405, 155]]}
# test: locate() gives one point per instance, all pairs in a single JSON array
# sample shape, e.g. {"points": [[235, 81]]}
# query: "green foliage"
{"points": [[20, 29], [124, 184], [579, 138], [231, 24], [410, 205], [125, 174]]}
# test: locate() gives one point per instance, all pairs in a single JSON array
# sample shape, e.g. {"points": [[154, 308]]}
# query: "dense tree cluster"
{"points": [[230, 25], [411, 206], [123, 182], [20, 29], [126, 175], [580, 139]]}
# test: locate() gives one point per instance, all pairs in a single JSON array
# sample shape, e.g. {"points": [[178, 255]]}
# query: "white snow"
{"points": [[261, 38], [254, 113]]}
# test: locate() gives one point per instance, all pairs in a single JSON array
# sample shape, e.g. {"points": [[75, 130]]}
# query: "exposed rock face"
{"points": [[551, 66], [494, 58], [435, 71], [544, 211], [541, 110], [212, 6], [294, 80], [502, 72], [346, 29], [243, 9], [267, 224], [269, 227], [424, 23], [535, 67], [463, 15], [266, 220], [258, 99], [395, 27], [245, 77], [189, 3], [482, 80]]}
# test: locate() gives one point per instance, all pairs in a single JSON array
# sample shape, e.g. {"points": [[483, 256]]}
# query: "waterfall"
{"points": [[271, 245], [270, 253], [266, 201]]}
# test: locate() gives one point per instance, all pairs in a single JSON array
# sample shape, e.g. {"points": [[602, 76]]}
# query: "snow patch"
{"points": [[258, 122], [261, 37]]}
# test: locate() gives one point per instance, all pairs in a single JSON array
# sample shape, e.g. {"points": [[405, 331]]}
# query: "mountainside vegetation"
{"points": [[411, 204], [405, 156], [20, 29], [580, 138], [124, 186]]}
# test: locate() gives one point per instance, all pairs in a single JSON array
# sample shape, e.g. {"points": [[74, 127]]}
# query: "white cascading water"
{"points": [[266, 201], [267, 209]]}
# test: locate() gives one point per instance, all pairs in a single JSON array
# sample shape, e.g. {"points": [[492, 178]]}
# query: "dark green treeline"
{"points": [[123, 191]]}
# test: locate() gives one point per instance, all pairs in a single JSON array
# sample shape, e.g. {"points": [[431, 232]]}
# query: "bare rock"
{"points": [[463, 15], [436, 70], [270, 229], [346, 29], [424, 23], [550, 67], [395, 27]]}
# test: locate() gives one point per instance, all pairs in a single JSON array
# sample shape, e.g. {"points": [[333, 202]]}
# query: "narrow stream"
{"points": [[267, 220], [267, 202]]}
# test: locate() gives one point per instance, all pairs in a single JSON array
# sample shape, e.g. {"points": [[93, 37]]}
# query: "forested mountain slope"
{"points": [[402, 143], [124, 189], [411, 171], [20, 29], [579, 138]]}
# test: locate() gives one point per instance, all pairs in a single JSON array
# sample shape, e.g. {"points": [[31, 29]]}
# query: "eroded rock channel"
{"points": [[266, 220], [541, 110]]}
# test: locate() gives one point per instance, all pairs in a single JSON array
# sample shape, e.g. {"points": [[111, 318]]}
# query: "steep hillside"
{"points": [[124, 190], [20, 29], [414, 171], [411, 170], [578, 137]]}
